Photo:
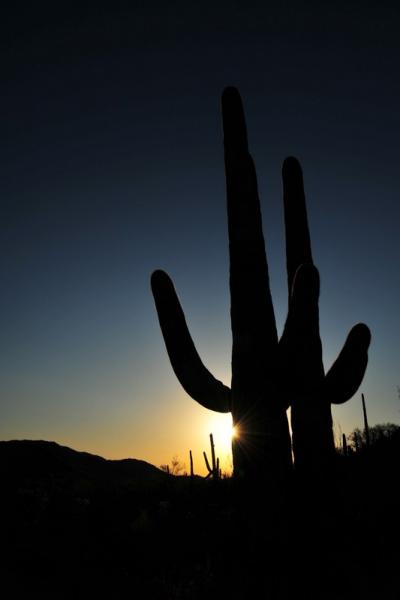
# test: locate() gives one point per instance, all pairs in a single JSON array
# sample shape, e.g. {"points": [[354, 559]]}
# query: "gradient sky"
{"points": [[112, 166]]}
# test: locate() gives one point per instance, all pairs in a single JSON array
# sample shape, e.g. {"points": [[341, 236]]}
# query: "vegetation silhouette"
{"points": [[213, 471], [71, 521], [268, 375], [378, 436]]}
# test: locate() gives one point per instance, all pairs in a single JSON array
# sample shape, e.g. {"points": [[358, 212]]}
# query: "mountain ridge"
{"points": [[43, 457]]}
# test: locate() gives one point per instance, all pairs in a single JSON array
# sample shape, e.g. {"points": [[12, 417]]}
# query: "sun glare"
{"points": [[223, 433], [223, 430]]}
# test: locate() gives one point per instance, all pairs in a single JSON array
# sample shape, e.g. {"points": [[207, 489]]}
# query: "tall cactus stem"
{"points": [[344, 444], [212, 453], [191, 464], [366, 426]]}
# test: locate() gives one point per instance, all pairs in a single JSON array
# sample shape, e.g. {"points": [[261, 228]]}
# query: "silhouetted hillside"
{"points": [[70, 520], [35, 459]]}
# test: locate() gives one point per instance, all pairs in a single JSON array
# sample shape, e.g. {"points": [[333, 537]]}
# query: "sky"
{"points": [[112, 166]]}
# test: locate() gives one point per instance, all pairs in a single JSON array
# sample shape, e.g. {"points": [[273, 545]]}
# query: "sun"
{"points": [[223, 431]]}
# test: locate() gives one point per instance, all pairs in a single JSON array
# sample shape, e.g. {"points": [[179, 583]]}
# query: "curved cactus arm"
{"points": [[196, 380], [300, 345], [345, 375], [301, 334], [298, 244], [300, 349], [254, 332]]}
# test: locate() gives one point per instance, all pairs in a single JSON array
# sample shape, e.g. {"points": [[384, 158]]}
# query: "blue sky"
{"points": [[112, 166]]}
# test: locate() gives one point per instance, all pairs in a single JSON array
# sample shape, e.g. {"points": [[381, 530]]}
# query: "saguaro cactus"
{"points": [[268, 374], [366, 426], [191, 463], [344, 445], [213, 471]]}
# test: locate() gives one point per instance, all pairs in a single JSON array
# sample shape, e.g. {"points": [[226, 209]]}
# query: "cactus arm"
{"points": [[298, 244], [300, 345], [209, 469], [301, 328], [196, 380], [345, 376], [308, 391], [254, 332], [300, 351]]}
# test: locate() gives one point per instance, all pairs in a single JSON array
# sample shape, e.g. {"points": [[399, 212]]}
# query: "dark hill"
{"points": [[73, 521], [27, 459]]}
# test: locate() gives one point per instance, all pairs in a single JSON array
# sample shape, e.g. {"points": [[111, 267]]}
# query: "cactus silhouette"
{"points": [[268, 375], [191, 463], [366, 426], [344, 445], [213, 471]]}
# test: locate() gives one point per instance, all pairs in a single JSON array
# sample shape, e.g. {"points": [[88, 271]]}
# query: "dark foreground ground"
{"points": [[74, 525]]}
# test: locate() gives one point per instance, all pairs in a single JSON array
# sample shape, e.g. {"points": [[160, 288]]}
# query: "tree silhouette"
{"points": [[177, 467], [382, 432]]}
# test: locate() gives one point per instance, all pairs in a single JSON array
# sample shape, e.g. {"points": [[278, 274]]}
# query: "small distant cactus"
{"points": [[366, 426], [191, 463], [344, 444], [268, 374], [214, 470]]}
